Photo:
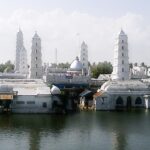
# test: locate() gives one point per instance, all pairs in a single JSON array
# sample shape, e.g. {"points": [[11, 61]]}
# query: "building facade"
{"points": [[36, 58], [121, 59]]}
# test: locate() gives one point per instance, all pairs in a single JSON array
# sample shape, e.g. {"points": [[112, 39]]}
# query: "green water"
{"points": [[124, 130]]}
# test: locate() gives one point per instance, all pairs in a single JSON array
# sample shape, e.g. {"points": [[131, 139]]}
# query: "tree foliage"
{"points": [[7, 66], [101, 68]]}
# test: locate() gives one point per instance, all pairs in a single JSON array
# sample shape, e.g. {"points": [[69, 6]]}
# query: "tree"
{"points": [[101, 68], [7, 67]]}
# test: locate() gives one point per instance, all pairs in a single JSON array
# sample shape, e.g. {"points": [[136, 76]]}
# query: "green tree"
{"points": [[7, 67], [101, 68]]}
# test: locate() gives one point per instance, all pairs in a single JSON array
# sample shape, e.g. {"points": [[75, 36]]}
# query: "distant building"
{"points": [[21, 55], [121, 59], [84, 57], [68, 78], [36, 58], [139, 72]]}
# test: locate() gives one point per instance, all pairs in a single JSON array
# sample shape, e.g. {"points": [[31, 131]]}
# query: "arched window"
{"points": [[119, 101], [138, 100]]}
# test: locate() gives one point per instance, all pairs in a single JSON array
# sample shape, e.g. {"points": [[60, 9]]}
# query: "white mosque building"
{"points": [[77, 75], [121, 92]]}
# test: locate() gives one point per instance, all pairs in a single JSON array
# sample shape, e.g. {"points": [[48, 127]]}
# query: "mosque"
{"points": [[120, 91], [76, 76]]}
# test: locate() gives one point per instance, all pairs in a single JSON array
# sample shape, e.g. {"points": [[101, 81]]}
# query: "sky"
{"points": [[65, 24]]}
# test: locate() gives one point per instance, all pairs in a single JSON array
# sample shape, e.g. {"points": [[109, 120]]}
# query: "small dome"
{"points": [[55, 90], [76, 65]]}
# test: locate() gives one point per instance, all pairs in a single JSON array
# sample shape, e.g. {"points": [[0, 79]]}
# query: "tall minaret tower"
{"points": [[23, 67], [84, 56], [21, 55], [19, 45], [121, 59], [36, 58]]}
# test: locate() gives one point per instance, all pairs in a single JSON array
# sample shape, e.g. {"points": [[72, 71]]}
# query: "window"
{"points": [[122, 47], [122, 69], [119, 101], [103, 100], [20, 102], [36, 51], [36, 58], [30, 102], [36, 65], [36, 74], [122, 41], [138, 100], [36, 43], [44, 104], [122, 61], [122, 54]]}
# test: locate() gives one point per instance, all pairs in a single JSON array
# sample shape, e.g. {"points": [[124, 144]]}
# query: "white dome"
{"points": [[55, 90], [76, 65]]}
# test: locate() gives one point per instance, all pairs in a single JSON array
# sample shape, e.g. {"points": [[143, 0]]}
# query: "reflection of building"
{"points": [[36, 58], [21, 55], [122, 92]]}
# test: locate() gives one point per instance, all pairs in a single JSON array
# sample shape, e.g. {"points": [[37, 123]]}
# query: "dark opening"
{"points": [[44, 104], [119, 101], [138, 100]]}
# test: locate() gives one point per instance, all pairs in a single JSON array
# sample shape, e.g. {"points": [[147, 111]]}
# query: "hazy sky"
{"points": [[64, 24]]}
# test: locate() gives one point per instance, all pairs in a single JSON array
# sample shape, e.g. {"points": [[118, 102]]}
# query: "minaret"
{"points": [[121, 59], [36, 58], [84, 57], [19, 45], [23, 68], [21, 55]]}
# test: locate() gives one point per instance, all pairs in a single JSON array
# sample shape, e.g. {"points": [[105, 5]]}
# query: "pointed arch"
{"points": [[119, 101], [138, 100]]}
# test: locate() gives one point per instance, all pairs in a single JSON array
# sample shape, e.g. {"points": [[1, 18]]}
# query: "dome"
{"points": [[124, 86], [55, 90], [76, 65]]}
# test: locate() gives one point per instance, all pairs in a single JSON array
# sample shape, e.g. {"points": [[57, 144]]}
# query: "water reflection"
{"points": [[85, 130]]}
